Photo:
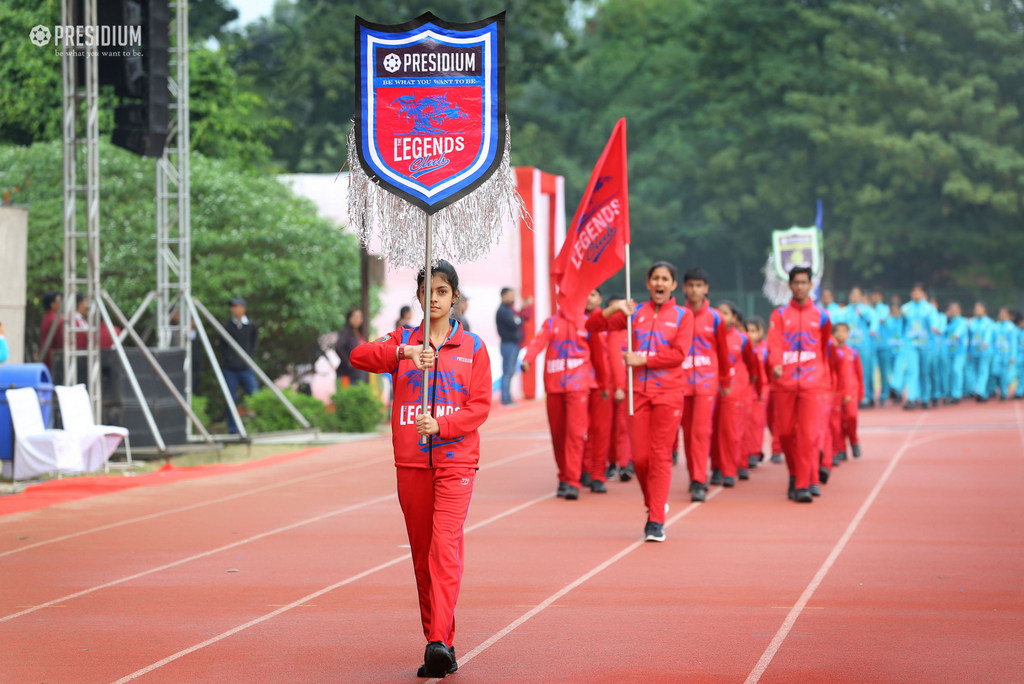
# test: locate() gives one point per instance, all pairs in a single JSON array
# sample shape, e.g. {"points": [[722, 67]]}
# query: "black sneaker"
{"points": [[597, 487], [612, 471], [823, 474], [753, 460], [776, 458], [675, 458], [716, 477], [728, 481], [438, 661], [698, 492], [835, 460], [743, 474], [563, 487], [585, 480], [841, 456], [803, 496], [815, 490], [571, 493], [791, 492], [626, 474], [856, 450], [654, 532]]}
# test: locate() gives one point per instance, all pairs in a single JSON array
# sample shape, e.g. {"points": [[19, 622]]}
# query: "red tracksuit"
{"points": [[619, 452], [798, 340], [435, 480], [568, 379], [663, 335], [849, 383], [753, 436], [733, 410], [706, 370], [600, 410]]}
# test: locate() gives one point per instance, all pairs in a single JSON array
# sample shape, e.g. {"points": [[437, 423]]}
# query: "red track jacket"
{"points": [[798, 339], [746, 371], [663, 336], [569, 365], [707, 365], [460, 396]]}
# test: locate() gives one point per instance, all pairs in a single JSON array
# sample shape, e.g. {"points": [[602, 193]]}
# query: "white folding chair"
{"points": [[98, 442], [38, 451]]}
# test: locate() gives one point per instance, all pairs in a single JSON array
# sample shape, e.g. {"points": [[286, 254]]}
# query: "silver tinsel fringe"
{"points": [[776, 290], [463, 231]]}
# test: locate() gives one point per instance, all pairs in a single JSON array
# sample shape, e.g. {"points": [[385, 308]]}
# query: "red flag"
{"points": [[595, 243]]}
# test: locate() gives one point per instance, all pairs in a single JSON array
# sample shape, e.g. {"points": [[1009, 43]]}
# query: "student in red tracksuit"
{"points": [[849, 393], [732, 414], [753, 436], [797, 351], [619, 454], [568, 379], [435, 478], [600, 411], [662, 334], [823, 446], [706, 375]]}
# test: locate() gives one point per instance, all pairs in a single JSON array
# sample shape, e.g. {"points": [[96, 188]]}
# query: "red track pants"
{"points": [[753, 432], [619, 454], [567, 416], [844, 423], [435, 502], [798, 417], [730, 418], [652, 428], [698, 411], [595, 454]]}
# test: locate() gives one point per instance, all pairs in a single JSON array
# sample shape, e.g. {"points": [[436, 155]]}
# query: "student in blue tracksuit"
{"points": [[1004, 352], [863, 324], [1019, 394], [883, 360], [938, 379], [892, 343], [979, 352], [917, 322], [955, 357], [836, 312]]}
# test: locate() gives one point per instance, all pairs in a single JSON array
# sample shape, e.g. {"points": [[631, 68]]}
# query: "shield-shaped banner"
{"points": [[796, 247], [430, 109]]}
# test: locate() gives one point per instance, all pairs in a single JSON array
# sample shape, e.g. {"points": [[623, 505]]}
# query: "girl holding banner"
{"points": [[662, 335]]}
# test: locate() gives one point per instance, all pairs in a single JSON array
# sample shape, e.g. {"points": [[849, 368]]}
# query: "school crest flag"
{"points": [[430, 130], [595, 245], [796, 247]]}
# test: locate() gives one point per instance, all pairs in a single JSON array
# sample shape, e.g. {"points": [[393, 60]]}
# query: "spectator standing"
{"points": [[459, 311], [510, 324], [51, 317], [349, 338], [236, 370]]}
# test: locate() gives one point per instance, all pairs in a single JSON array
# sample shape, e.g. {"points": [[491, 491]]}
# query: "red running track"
{"points": [[910, 568]]}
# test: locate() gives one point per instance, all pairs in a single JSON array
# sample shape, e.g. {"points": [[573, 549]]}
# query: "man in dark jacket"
{"points": [[236, 370], [509, 323]]}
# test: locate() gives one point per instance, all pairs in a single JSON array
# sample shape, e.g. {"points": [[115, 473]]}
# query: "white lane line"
{"points": [[796, 610], [515, 624], [240, 542], [320, 592]]}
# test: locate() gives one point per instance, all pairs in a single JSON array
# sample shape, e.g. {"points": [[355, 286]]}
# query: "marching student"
{"points": [[600, 411], [662, 336], [1019, 318], [753, 440], [848, 393], [863, 332], [938, 382], [435, 478], [979, 352], [732, 413], [619, 454], [892, 339], [568, 380], [955, 352], [798, 338], [883, 356], [917, 325], [1004, 353], [706, 373]]}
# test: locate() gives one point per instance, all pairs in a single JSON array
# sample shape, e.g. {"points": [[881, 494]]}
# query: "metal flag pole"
{"points": [[427, 294], [629, 336]]}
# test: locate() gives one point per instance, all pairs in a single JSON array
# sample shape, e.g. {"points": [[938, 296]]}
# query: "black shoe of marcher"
{"points": [[924, 405], [716, 477], [982, 400], [803, 496], [776, 458], [823, 474], [956, 400], [438, 661], [612, 471], [728, 481], [835, 460], [856, 450], [597, 487], [571, 493], [753, 460], [841, 456], [585, 480], [626, 474], [815, 490], [654, 532], [743, 474], [791, 492], [910, 406], [563, 487], [675, 458], [698, 492]]}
